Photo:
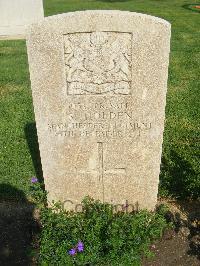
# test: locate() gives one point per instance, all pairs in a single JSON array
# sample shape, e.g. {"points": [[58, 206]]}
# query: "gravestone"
{"points": [[16, 15], [99, 83]]}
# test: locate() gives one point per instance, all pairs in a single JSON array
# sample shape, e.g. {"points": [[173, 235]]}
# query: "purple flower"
{"points": [[72, 252], [80, 246], [34, 180]]}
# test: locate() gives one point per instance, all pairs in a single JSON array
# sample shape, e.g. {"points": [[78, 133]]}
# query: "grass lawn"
{"points": [[179, 177]]}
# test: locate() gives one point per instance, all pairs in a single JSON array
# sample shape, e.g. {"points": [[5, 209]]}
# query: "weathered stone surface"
{"points": [[16, 15], [99, 82], [98, 63]]}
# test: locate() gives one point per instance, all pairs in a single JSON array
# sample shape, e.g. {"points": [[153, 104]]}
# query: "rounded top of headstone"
{"points": [[104, 19], [107, 13]]}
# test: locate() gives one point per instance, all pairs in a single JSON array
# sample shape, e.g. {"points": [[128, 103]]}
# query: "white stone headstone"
{"points": [[99, 83], [16, 15]]}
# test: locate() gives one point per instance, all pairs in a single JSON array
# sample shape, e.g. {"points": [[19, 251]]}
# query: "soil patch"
{"points": [[180, 246]]}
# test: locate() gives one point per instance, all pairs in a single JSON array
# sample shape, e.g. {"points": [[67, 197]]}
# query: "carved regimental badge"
{"points": [[98, 63]]}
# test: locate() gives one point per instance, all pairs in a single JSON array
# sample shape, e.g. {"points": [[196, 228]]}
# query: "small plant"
{"points": [[78, 248], [97, 235], [38, 194]]}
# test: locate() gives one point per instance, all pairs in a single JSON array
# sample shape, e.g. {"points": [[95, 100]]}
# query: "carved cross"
{"points": [[101, 170]]}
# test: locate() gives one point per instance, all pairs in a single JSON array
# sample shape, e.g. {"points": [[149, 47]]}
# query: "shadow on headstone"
{"points": [[32, 140], [18, 227]]}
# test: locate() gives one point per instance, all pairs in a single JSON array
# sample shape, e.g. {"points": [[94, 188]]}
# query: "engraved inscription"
{"points": [[102, 121], [98, 63], [100, 130]]}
